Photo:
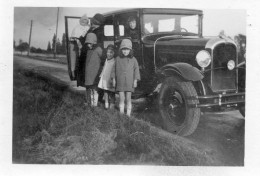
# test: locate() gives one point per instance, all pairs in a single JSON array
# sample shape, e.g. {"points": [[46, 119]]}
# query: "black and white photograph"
{"points": [[111, 87]]}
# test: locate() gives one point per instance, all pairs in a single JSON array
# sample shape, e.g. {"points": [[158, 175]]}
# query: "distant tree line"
{"points": [[60, 46]]}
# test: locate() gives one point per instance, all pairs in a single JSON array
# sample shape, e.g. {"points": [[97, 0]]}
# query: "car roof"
{"points": [[157, 11]]}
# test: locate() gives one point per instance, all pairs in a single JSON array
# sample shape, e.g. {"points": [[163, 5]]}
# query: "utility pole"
{"points": [[56, 34], [30, 39]]}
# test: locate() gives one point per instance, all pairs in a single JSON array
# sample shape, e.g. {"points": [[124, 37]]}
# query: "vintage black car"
{"points": [[186, 72]]}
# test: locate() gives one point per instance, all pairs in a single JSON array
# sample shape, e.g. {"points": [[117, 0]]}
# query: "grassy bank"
{"points": [[51, 125]]}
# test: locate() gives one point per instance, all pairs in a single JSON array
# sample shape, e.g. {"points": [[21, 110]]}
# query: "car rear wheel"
{"points": [[175, 98]]}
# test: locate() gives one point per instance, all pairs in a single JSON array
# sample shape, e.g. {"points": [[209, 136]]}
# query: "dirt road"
{"points": [[221, 133]]}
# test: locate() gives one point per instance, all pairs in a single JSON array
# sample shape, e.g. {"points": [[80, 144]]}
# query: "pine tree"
{"points": [[58, 46], [20, 41], [49, 47], [53, 42], [63, 44]]}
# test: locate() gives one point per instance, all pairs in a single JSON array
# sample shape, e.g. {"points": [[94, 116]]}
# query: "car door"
{"points": [[70, 23]]}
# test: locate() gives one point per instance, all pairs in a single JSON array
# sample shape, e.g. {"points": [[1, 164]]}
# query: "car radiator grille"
{"points": [[223, 79]]}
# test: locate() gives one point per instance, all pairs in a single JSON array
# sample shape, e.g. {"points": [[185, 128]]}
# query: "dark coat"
{"points": [[125, 71], [132, 33], [92, 68], [81, 64]]}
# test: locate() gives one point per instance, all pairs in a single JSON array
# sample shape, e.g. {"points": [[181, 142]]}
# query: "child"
{"points": [[105, 78], [93, 60], [125, 75]]}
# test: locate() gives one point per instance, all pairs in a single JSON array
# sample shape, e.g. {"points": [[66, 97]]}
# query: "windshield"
{"points": [[179, 24]]}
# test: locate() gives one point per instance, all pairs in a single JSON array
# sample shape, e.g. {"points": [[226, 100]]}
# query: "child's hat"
{"points": [[91, 38], [111, 47], [126, 43]]}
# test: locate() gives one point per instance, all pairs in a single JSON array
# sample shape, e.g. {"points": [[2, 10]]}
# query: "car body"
{"points": [[185, 72]]}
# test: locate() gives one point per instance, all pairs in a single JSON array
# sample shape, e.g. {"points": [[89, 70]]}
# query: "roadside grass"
{"points": [[52, 125]]}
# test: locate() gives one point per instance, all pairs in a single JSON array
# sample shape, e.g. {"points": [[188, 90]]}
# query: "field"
{"points": [[52, 125]]}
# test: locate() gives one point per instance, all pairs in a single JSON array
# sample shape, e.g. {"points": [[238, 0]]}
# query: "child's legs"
{"points": [[111, 97], [94, 96], [88, 96], [128, 103], [106, 98], [121, 101]]}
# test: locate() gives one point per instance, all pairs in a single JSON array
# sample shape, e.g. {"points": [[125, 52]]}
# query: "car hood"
{"points": [[175, 40]]}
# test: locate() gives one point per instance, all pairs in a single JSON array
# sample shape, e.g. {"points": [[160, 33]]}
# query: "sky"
{"points": [[232, 21]]}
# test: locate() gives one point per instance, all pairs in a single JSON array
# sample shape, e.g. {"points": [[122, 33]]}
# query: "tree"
{"points": [[33, 49], [58, 47], [49, 47], [53, 42], [39, 50], [14, 46], [23, 47], [63, 44], [20, 41]]}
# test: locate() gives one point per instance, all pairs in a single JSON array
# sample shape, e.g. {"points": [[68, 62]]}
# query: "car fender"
{"points": [[183, 70]]}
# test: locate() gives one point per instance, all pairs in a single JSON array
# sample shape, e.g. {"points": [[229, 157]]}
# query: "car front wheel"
{"points": [[175, 105]]}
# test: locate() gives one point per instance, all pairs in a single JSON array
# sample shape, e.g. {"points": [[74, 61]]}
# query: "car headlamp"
{"points": [[231, 65], [203, 58]]}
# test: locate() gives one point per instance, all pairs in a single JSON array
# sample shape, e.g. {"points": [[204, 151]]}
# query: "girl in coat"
{"points": [[92, 68], [105, 81], [125, 75]]}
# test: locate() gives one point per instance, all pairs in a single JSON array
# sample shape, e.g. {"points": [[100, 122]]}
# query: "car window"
{"points": [[121, 30], [166, 25], [191, 23], [148, 28], [179, 24], [71, 23], [108, 30]]}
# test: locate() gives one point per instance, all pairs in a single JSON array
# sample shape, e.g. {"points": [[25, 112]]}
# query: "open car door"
{"points": [[70, 23], [105, 35]]}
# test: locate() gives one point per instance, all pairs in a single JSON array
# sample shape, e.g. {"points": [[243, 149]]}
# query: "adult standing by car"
{"points": [[77, 40]]}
